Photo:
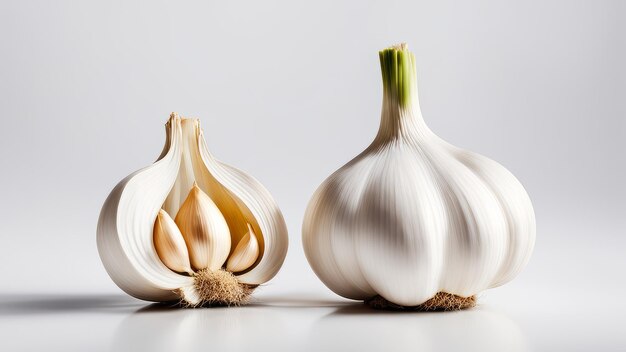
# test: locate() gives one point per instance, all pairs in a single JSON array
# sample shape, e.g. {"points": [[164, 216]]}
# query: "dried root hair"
{"points": [[442, 301], [220, 288]]}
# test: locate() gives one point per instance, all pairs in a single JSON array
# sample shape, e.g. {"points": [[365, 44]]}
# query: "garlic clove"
{"points": [[204, 229], [170, 244], [245, 254]]}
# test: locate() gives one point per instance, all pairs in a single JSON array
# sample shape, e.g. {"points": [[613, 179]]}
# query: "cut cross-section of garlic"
{"points": [[152, 257]]}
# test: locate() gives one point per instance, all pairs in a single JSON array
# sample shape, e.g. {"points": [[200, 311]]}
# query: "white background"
{"points": [[289, 92]]}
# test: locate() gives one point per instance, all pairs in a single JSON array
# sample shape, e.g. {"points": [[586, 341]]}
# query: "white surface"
{"points": [[85, 88]]}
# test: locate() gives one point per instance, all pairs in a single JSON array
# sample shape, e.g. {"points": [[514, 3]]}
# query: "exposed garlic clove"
{"points": [[170, 244], [245, 254], [204, 229]]}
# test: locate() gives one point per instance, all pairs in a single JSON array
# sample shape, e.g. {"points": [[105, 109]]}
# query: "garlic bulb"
{"points": [[414, 221], [165, 231]]}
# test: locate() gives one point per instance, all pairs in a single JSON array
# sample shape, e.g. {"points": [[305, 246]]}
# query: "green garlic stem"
{"points": [[399, 75]]}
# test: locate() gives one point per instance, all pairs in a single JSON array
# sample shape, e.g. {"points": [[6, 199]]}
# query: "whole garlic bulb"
{"points": [[414, 221], [190, 227]]}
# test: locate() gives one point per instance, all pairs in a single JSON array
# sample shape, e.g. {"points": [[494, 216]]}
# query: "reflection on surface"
{"points": [[310, 325], [215, 329], [294, 322], [278, 323], [477, 329]]}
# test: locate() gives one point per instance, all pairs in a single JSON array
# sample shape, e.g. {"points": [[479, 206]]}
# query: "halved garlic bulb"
{"points": [[413, 220], [153, 257]]}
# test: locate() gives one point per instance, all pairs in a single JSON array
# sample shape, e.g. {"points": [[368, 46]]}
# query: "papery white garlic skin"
{"points": [[126, 224], [412, 215], [170, 244]]}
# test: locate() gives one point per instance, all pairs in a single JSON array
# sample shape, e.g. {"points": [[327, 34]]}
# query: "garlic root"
{"points": [[220, 288], [442, 301]]}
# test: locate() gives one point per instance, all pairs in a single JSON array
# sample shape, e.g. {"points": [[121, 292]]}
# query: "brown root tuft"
{"points": [[442, 301], [220, 288]]}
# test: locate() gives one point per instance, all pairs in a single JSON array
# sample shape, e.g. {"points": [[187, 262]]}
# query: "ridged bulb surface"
{"points": [[412, 215]]}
